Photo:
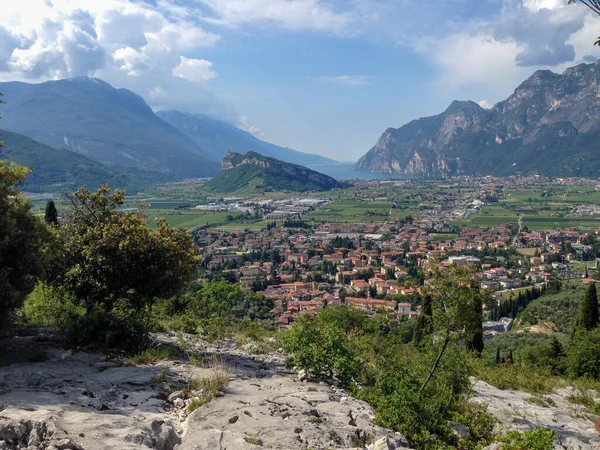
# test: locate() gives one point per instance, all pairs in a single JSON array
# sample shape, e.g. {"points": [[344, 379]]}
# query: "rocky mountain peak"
{"points": [[465, 107], [549, 118]]}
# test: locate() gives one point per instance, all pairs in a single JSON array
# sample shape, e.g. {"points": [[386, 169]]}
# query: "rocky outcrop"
{"points": [[86, 401], [240, 171], [517, 410], [549, 125]]}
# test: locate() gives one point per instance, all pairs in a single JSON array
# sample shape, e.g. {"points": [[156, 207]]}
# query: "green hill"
{"points": [[253, 171], [57, 169]]}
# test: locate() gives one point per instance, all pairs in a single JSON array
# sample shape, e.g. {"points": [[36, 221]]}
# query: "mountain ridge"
{"points": [[58, 169], [549, 125], [219, 137], [115, 127]]}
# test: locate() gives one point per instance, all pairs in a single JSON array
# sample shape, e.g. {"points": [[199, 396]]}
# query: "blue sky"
{"points": [[320, 76]]}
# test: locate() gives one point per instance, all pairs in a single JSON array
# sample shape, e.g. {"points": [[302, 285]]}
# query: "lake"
{"points": [[343, 171]]}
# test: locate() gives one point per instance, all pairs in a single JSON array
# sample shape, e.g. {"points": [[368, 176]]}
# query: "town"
{"points": [[383, 262]]}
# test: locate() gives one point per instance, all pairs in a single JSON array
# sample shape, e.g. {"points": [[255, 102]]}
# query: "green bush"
{"points": [[47, 306], [322, 349], [583, 355], [403, 405], [538, 439]]}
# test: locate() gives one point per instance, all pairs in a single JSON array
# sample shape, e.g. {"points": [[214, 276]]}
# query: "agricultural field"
{"points": [[185, 219], [540, 208], [357, 211]]}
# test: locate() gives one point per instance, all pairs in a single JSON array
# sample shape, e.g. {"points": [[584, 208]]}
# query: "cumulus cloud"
{"points": [[489, 58], [149, 48], [543, 28], [194, 69], [485, 104], [347, 80]]}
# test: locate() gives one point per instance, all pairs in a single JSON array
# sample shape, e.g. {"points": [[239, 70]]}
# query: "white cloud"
{"points": [[194, 69], [466, 60], [485, 104], [348, 80], [132, 44], [536, 5], [292, 14], [488, 59], [244, 125]]}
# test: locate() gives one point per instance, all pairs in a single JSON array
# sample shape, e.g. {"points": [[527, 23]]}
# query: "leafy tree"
{"points": [[110, 255], [588, 312], [456, 305], [51, 214], [22, 241], [583, 356]]}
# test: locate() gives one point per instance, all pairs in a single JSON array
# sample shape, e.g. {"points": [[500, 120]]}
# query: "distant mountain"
{"points": [[58, 169], [550, 125], [253, 171], [218, 137], [112, 126]]}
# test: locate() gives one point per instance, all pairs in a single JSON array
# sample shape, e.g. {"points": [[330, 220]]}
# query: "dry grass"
{"points": [[215, 379]]}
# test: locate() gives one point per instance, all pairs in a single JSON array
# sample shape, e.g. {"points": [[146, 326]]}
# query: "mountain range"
{"points": [[550, 125], [255, 172], [118, 130], [219, 138]]}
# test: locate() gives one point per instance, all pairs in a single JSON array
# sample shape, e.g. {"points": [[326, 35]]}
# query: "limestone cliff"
{"points": [[550, 125]]}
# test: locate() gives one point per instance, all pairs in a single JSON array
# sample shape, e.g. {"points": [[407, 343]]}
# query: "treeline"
{"points": [[513, 306], [295, 223]]}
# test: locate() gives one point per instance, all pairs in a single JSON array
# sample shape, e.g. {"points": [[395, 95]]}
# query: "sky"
{"points": [[320, 76]]}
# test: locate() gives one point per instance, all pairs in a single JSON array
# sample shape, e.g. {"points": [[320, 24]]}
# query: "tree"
{"points": [[498, 355], [594, 5], [22, 241], [51, 214], [456, 305], [424, 323], [111, 256], [588, 312]]}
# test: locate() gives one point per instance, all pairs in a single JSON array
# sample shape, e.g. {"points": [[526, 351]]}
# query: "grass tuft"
{"points": [[152, 355]]}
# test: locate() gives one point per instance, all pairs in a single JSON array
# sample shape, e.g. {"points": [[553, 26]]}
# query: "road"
{"points": [[520, 222]]}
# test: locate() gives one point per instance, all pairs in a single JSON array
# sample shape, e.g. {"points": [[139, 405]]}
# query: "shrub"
{"points": [[402, 404], [321, 349], [583, 355], [538, 439]]}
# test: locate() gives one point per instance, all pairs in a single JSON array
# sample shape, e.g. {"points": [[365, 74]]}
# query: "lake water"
{"points": [[343, 171]]}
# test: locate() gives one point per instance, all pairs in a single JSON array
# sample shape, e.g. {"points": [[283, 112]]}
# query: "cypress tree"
{"points": [[557, 355], [588, 313], [424, 323], [498, 355], [51, 214], [476, 344], [510, 357]]}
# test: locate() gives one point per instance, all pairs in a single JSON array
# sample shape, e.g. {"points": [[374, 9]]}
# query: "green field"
{"points": [[359, 211], [541, 208], [186, 219]]}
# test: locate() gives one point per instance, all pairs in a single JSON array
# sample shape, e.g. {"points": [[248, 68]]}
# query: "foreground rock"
{"points": [[84, 401], [517, 410]]}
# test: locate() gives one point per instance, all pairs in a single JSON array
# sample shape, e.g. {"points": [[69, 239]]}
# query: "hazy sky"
{"points": [[320, 76]]}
